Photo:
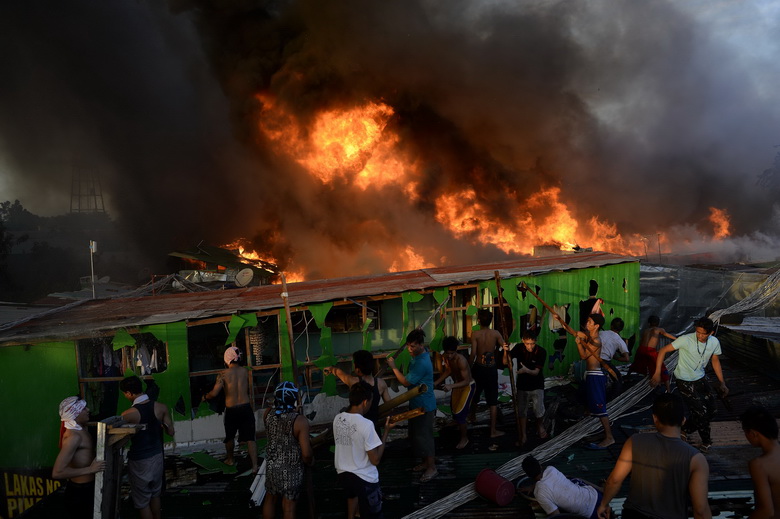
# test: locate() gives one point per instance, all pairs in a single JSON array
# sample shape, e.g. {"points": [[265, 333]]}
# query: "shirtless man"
{"points": [[589, 348], [76, 461], [760, 429], [364, 374], [482, 359], [239, 416], [457, 367], [647, 354]]}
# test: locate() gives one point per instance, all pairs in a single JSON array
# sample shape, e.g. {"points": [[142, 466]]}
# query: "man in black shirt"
{"points": [[530, 382]]}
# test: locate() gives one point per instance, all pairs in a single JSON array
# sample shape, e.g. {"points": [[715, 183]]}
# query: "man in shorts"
{"points": [[462, 387], [589, 348], [530, 382], [647, 353], [239, 416], [358, 452], [484, 343], [145, 457], [421, 427]]}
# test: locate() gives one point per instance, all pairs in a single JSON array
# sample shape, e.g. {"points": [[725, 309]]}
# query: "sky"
{"points": [[643, 115]]}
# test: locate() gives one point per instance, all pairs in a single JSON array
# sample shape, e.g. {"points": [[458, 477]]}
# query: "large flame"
{"points": [[349, 143], [721, 222], [357, 144]]}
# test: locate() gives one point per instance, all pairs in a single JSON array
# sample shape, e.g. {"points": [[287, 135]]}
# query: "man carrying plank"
{"points": [[420, 428]]}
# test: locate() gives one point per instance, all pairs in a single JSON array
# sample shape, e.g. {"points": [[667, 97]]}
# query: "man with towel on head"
{"points": [[239, 416], [76, 461]]}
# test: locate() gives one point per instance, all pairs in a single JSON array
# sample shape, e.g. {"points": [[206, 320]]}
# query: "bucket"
{"points": [[494, 488]]}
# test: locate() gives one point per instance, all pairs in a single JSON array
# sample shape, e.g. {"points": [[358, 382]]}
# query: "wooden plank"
{"points": [[100, 455], [113, 434]]}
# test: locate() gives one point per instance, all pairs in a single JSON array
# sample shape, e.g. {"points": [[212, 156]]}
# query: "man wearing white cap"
{"points": [[76, 461], [239, 416]]}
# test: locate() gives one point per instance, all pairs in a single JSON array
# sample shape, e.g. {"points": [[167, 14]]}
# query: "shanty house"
{"points": [[176, 342]]}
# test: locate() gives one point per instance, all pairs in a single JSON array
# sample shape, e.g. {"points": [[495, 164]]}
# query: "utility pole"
{"points": [[658, 236], [92, 250]]}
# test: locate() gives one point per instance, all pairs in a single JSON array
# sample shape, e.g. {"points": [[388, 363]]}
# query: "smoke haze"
{"points": [[643, 115]]}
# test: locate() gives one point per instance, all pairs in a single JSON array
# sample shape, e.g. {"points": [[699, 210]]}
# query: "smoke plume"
{"points": [[629, 120]]}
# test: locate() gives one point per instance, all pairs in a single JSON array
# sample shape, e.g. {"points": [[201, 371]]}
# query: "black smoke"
{"points": [[638, 111]]}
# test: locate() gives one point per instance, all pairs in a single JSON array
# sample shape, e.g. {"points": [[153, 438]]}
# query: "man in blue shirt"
{"points": [[696, 351], [421, 427]]}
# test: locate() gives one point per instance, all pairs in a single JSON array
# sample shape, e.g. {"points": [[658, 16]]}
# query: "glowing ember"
{"points": [[721, 221]]}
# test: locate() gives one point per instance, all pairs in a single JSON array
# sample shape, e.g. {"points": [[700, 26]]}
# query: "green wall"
{"points": [[34, 380]]}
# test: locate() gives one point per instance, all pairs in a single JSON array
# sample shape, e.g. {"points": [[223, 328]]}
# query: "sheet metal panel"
{"points": [[109, 314]]}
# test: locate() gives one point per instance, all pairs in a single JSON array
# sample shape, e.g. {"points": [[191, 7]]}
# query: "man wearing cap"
{"points": [[288, 450], [76, 461], [239, 416]]}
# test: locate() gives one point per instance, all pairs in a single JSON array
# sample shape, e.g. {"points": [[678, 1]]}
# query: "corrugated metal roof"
{"points": [[108, 314]]}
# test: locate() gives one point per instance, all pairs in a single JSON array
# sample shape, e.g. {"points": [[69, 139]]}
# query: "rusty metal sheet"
{"points": [[110, 314]]}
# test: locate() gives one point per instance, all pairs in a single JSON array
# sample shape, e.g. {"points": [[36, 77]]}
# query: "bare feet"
{"points": [[496, 434], [230, 462], [606, 443], [462, 443], [521, 441], [543, 435], [420, 467]]}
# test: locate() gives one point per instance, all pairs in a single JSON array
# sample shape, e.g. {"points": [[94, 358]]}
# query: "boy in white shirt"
{"points": [[358, 452]]}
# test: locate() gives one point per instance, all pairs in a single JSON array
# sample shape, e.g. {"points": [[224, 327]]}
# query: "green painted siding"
{"points": [[35, 379]]}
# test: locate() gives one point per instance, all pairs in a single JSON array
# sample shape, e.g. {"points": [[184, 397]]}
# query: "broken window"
{"points": [[101, 367]]}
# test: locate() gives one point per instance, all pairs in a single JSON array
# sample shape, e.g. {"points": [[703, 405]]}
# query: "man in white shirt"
{"points": [[557, 494], [358, 452], [614, 346], [696, 350]]}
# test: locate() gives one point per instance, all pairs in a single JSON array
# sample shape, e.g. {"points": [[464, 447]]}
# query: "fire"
{"points": [[409, 260], [467, 217], [357, 144], [721, 221], [349, 143], [265, 261], [292, 275]]}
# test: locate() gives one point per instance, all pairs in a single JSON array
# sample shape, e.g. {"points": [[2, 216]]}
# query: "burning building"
{"points": [[353, 138], [177, 340]]}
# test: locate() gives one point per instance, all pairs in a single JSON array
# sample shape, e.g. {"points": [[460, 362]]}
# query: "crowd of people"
{"points": [[666, 471]]}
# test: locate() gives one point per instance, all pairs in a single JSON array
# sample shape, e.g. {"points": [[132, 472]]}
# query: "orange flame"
{"points": [[721, 221], [357, 145], [267, 261], [348, 143], [409, 260]]}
